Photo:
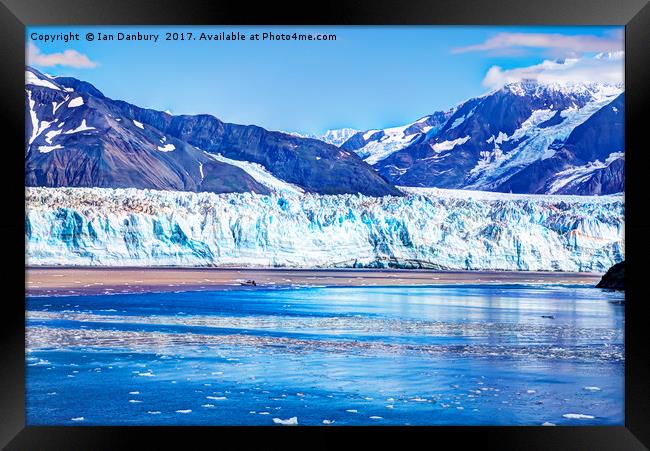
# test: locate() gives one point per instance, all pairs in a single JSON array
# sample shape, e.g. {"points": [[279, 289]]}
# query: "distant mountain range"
{"points": [[523, 138], [336, 137]]}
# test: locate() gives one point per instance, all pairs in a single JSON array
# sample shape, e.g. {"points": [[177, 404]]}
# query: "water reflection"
{"points": [[492, 354]]}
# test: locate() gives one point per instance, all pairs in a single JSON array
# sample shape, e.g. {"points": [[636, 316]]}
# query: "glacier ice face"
{"points": [[427, 228]]}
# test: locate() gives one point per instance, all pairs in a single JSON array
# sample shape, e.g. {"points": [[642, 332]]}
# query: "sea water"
{"points": [[437, 355]]}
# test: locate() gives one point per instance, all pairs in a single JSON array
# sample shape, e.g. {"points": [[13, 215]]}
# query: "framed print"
{"points": [[319, 223]]}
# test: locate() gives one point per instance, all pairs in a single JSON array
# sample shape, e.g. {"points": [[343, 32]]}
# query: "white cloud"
{"points": [[604, 68], [557, 44], [70, 58]]}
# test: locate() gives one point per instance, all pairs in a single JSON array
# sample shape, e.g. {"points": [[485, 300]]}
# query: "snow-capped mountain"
{"points": [[376, 145], [335, 137], [77, 137], [426, 228], [338, 136], [525, 137]]}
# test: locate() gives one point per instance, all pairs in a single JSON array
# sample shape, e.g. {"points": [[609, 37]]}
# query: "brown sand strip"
{"points": [[42, 281]]}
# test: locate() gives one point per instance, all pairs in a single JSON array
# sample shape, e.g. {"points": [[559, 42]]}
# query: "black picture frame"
{"points": [[16, 14]]}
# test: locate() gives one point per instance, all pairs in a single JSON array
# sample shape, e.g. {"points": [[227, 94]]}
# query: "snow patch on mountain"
{"points": [[533, 142], [579, 174], [335, 137], [32, 79], [48, 149], [77, 101], [38, 126], [260, 174], [338, 136], [167, 148], [448, 145], [540, 88], [51, 134], [393, 139], [83, 127]]}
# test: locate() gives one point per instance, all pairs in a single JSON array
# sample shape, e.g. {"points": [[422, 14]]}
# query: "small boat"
{"points": [[248, 283]]}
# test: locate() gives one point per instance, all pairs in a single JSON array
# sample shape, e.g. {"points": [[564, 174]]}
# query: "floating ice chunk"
{"points": [[352, 411], [289, 422], [184, 411], [530, 392], [134, 393], [376, 417], [134, 400], [207, 406], [216, 398], [578, 416], [592, 388], [40, 362], [153, 412], [263, 413], [147, 374], [328, 421], [418, 399], [78, 419], [547, 423]]}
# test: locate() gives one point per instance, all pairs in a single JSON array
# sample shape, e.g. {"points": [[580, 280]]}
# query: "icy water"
{"points": [[443, 355]]}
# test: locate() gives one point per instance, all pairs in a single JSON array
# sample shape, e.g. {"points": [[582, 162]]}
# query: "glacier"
{"points": [[426, 228]]}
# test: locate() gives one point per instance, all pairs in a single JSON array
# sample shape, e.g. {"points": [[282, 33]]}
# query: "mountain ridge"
{"points": [[494, 141], [125, 145], [524, 137]]}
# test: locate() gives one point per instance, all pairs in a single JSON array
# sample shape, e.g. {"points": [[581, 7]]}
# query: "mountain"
{"points": [[589, 161], [334, 137], [376, 145], [526, 137], [425, 228], [77, 137]]}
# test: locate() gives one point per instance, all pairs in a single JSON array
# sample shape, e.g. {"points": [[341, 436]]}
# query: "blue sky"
{"points": [[370, 77]]}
